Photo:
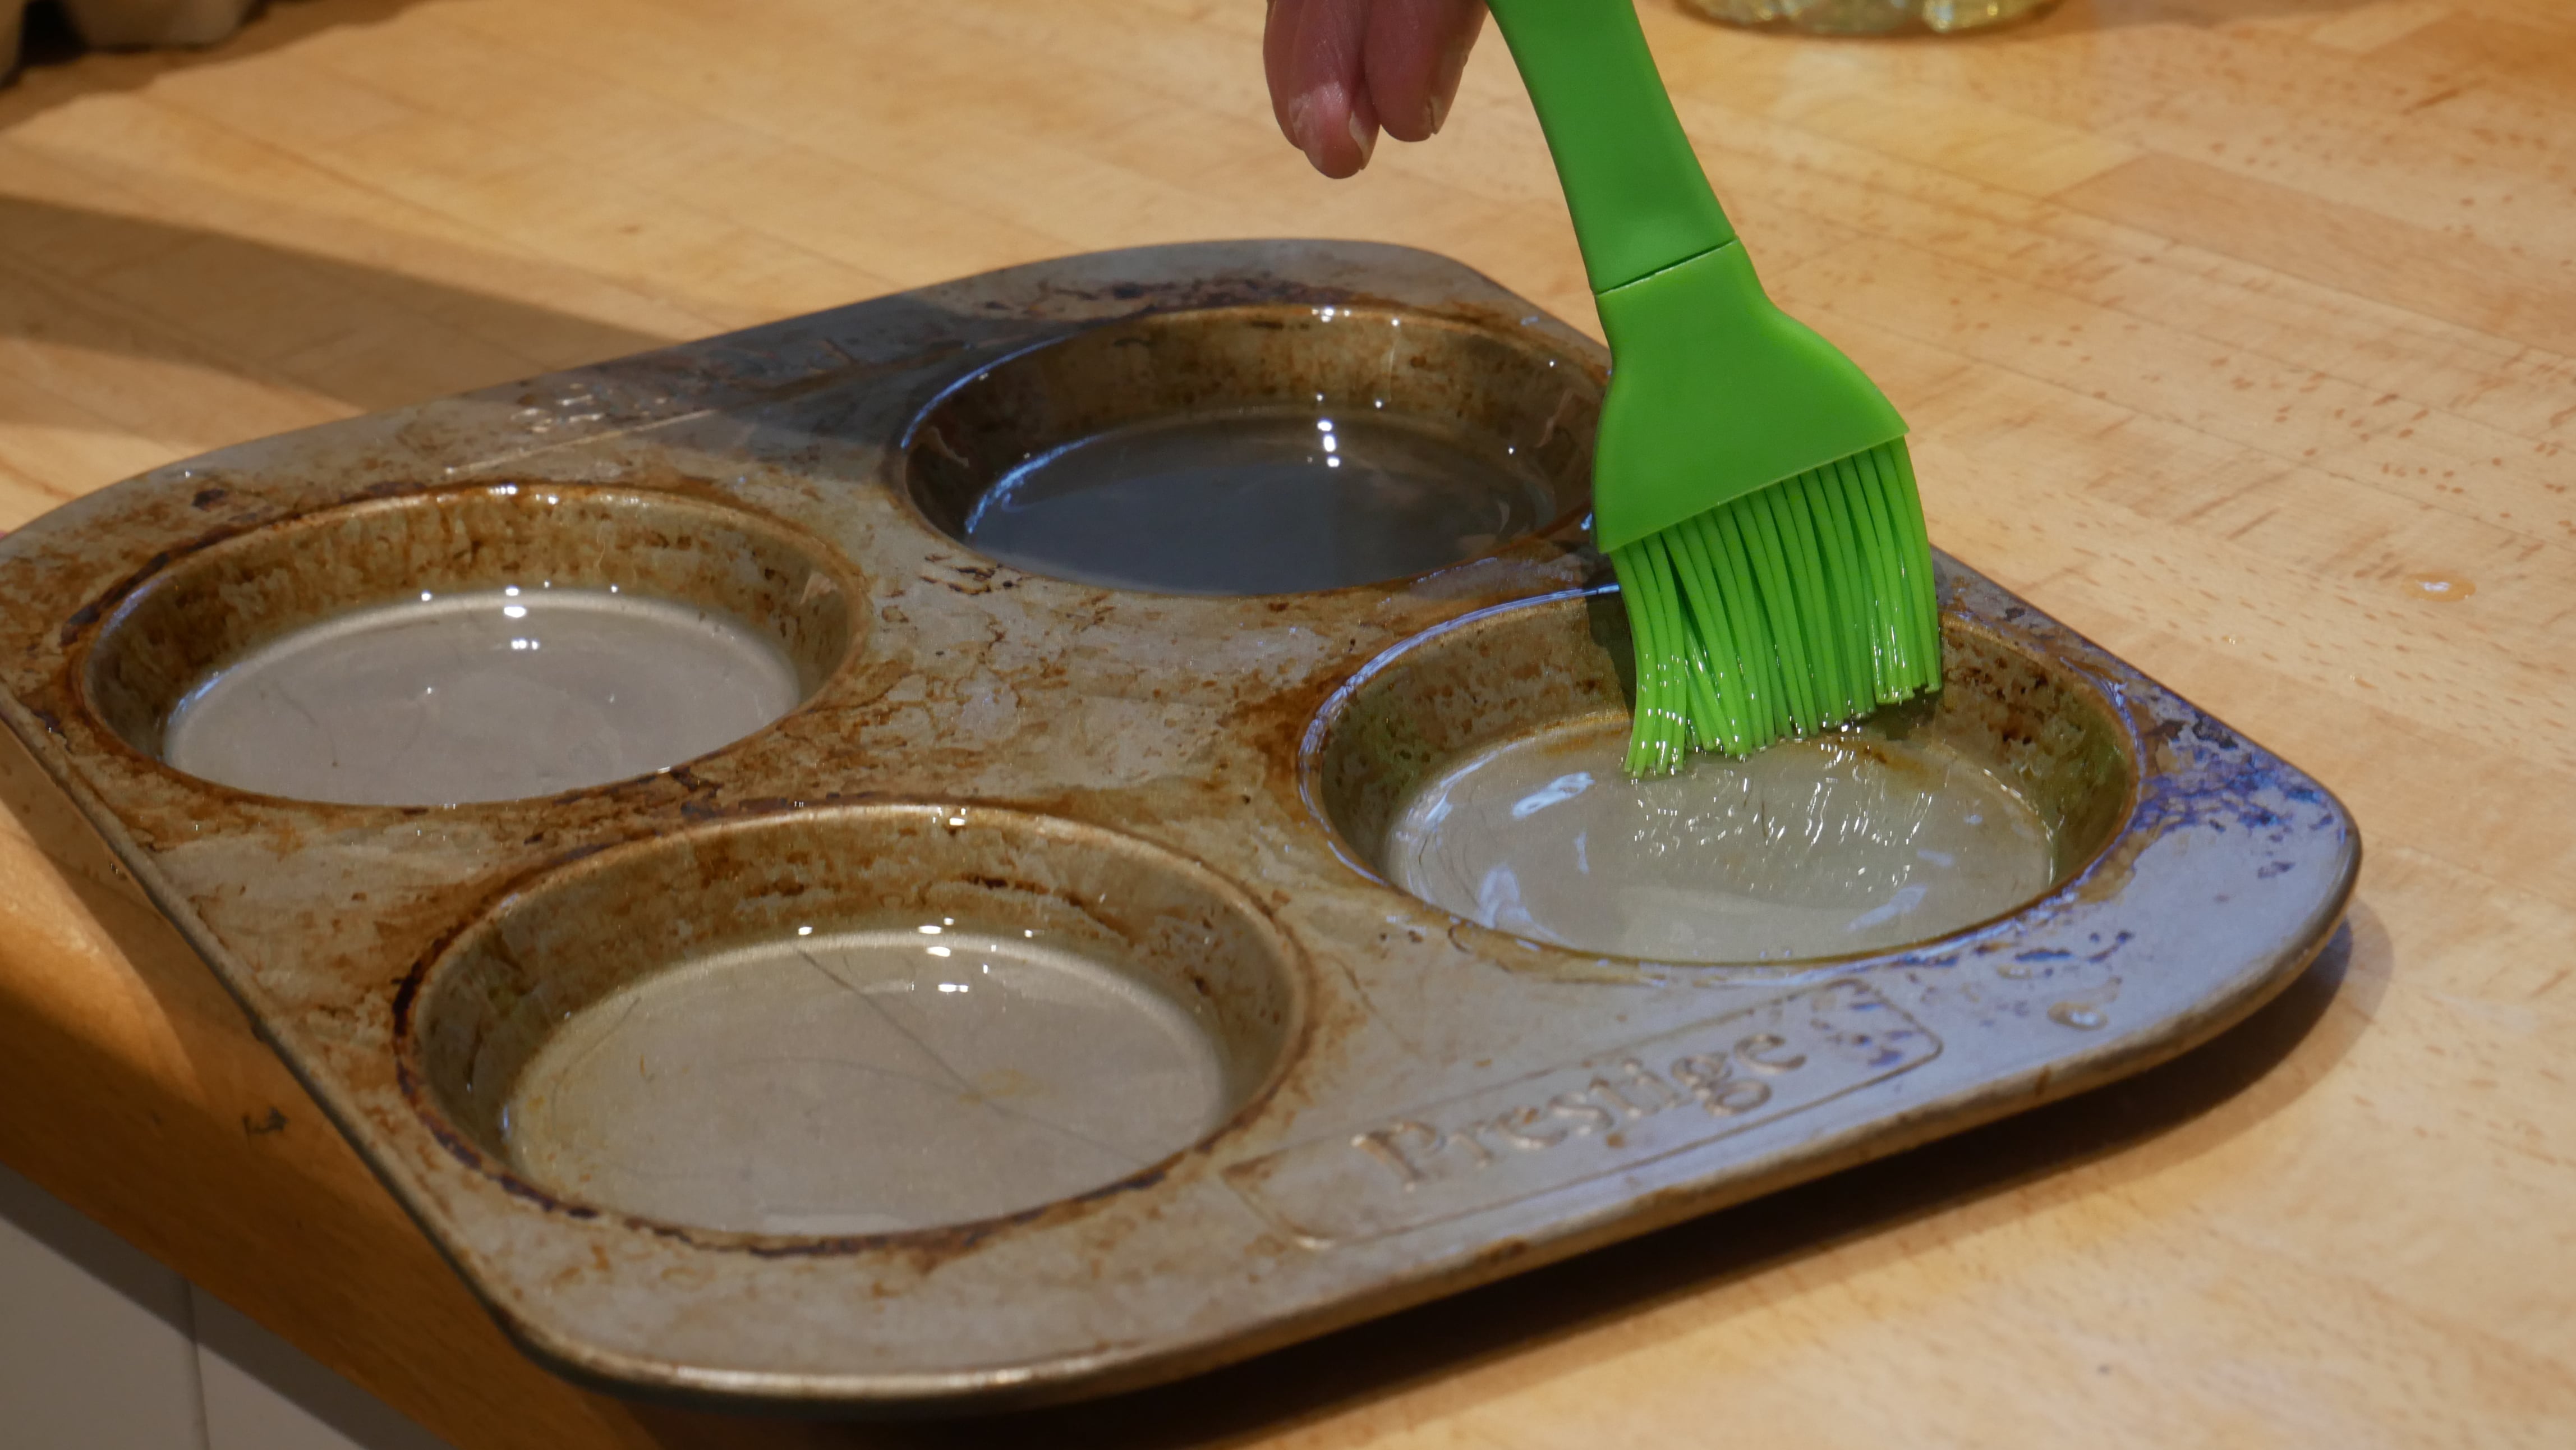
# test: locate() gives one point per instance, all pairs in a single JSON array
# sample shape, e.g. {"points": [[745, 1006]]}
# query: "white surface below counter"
{"points": [[102, 1348]]}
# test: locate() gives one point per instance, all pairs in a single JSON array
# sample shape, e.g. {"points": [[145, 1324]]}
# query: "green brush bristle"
{"points": [[1794, 609]]}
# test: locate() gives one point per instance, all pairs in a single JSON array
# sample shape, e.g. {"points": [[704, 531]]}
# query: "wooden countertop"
{"points": [[2237, 333]]}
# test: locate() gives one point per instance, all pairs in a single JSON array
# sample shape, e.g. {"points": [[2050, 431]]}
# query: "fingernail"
{"points": [[1445, 82], [1302, 131], [1364, 138]]}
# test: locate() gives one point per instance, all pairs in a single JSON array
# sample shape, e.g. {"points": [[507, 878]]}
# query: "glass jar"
{"points": [[1867, 17]]}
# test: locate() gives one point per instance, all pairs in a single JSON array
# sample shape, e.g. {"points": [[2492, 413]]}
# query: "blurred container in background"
{"points": [[120, 24], [1867, 17], [127, 24]]}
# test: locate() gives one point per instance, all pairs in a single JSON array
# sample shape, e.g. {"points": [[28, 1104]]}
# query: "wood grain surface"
{"points": [[2241, 334]]}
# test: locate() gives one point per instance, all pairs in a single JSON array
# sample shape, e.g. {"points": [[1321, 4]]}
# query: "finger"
{"points": [[1278, 33], [1416, 50], [1311, 51]]}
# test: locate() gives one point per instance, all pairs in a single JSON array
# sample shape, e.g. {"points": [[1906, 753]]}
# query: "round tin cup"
{"points": [[1531, 667], [853, 1021], [712, 621], [1469, 436]]}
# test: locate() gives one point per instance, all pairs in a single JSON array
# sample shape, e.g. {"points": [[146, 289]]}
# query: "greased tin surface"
{"points": [[683, 1062]]}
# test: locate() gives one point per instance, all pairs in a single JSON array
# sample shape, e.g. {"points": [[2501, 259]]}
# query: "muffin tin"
{"points": [[686, 1071]]}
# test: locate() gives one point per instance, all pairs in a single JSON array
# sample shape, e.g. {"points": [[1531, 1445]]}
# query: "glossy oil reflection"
{"points": [[1812, 848], [1271, 500], [482, 696], [861, 1081]]}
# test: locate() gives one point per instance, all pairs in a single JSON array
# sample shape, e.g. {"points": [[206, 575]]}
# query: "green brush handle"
{"points": [[1716, 393], [1640, 201]]}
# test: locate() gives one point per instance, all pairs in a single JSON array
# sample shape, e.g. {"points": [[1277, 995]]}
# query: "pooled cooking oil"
{"points": [[1811, 848], [864, 1080], [1260, 501], [488, 695]]}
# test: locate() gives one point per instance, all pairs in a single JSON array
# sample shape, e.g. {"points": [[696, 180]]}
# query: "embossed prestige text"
{"points": [[1605, 1115]]}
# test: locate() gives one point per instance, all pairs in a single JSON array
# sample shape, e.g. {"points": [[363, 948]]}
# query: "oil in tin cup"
{"points": [[855, 1020], [1479, 768], [1240, 451], [481, 644]]}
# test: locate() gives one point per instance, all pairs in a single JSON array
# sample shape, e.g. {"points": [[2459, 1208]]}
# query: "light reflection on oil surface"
{"points": [[1812, 848], [489, 695], [864, 1080], [1259, 501]]}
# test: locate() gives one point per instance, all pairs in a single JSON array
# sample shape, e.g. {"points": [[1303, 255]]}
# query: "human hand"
{"points": [[1342, 70]]}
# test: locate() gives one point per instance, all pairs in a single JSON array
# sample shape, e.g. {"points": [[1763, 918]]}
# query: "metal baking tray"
{"points": [[1306, 1097]]}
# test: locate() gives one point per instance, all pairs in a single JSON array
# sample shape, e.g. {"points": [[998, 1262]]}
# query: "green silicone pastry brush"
{"points": [[1750, 485]]}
